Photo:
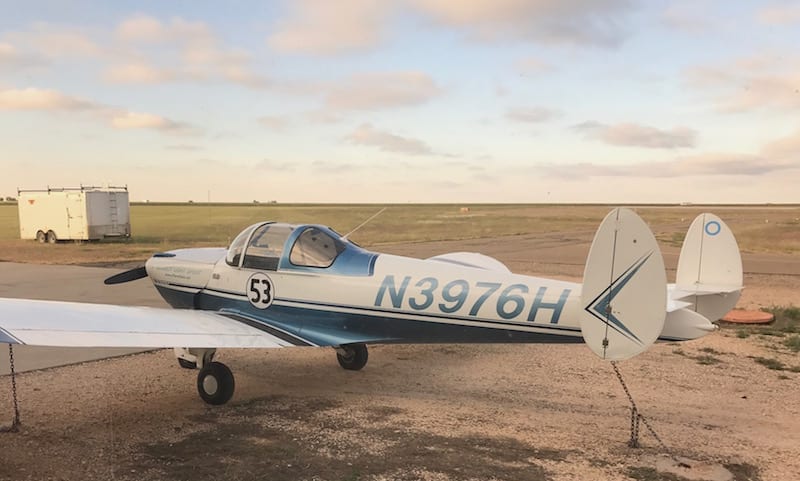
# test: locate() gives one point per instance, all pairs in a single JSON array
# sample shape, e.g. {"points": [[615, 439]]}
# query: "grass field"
{"points": [[158, 227]]}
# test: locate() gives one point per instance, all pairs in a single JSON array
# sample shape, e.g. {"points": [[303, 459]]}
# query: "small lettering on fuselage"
{"points": [[509, 301]]}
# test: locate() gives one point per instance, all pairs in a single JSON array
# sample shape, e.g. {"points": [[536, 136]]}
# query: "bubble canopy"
{"points": [[274, 246]]}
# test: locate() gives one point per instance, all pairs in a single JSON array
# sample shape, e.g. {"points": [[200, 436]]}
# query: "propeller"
{"points": [[127, 276]]}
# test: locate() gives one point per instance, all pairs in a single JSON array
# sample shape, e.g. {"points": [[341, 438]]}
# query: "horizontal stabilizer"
{"points": [[685, 324], [472, 259]]}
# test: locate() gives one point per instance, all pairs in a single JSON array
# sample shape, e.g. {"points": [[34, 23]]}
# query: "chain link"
{"points": [[637, 417], [15, 423]]}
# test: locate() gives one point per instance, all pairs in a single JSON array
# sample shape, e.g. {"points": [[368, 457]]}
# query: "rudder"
{"points": [[624, 288]]}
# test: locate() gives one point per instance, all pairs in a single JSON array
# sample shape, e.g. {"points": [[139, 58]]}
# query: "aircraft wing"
{"points": [[71, 324]]}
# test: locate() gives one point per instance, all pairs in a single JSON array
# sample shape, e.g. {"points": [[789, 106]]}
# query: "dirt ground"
{"points": [[430, 412]]}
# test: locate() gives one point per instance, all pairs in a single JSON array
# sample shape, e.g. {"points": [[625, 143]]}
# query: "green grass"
{"points": [[787, 319], [163, 226], [793, 343], [707, 360], [704, 359], [770, 363]]}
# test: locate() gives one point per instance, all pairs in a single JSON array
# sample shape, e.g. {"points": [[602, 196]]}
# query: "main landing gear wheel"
{"points": [[352, 357], [215, 383]]}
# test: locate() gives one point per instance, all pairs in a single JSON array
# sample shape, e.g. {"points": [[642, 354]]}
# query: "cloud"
{"points": [[274, 123], [53, 41], [784, 148], [756, 82], [531, 114], [388, 142], [780, 15], [183, 147], [533, 66], [34, 99], [689, 18], [779, 155], [137, 73], [187, 51], [586, 22], [317, 27], [147, 29], [636, 135], [11, 58], [139, 120], [374, 91], [275, 165], [40, 99]]}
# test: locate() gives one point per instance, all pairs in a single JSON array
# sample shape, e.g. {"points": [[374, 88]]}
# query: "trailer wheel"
{"points": [[51, 237], [41, 237]]}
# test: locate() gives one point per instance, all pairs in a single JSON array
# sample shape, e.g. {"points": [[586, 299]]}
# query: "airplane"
{"points": [[281, 285]]}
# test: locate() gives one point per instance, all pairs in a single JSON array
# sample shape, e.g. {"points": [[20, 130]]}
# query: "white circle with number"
{"points": [[260, 290]]}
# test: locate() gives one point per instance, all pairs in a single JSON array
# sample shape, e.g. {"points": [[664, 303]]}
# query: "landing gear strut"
{"points": [[352, 357]]}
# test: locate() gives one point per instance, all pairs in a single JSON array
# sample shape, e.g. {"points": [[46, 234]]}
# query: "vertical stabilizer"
{"points": [[624, 288], [709, 268]]}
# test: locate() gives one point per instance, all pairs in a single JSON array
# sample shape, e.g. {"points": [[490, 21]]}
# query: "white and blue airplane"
{"points": [[281, 285]]}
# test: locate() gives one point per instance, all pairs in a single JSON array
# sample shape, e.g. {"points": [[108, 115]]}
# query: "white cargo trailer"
{"points": [[85, 213]]}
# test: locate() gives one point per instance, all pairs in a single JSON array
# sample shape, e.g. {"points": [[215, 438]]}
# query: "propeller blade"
{"points": [[127, 276]]}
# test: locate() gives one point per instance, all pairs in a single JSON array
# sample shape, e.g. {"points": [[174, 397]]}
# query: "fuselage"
{"points": [[366, 297]]}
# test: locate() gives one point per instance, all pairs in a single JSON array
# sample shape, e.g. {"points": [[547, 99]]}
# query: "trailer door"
{"points": [[76, 215]]}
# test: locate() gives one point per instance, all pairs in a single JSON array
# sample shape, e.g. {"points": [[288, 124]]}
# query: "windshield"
{"points": [[266, 246], [237, 246]]}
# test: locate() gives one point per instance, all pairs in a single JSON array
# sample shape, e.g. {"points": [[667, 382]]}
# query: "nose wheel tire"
{"points": [[215, 383], [352, 357]]}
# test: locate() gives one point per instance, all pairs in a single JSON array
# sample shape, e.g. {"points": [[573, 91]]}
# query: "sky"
{"points": [[394, 101]]}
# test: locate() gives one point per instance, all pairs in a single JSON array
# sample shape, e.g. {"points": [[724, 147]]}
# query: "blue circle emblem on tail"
{"points": [[713, 228]]}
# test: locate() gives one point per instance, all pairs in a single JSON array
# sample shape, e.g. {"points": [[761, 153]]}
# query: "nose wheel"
{"points": [[215, 383], [352, 357]]}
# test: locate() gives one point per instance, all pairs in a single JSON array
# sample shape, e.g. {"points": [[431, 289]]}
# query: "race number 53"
{"points": [[260, 290]]}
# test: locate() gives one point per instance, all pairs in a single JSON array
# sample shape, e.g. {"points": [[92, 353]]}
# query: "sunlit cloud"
{"points": [[322, 27], [44, 100], [140, 120], [11, 58], [40, 99], [53, 41], [178, 50], [147, 29], [531, 115], [388, 142], [755, 82], [636, 135], [274, 123], [533, 66], [375, 91], [786, 14], [782, 154], [691, 17], [587, 22], [137, 73]]}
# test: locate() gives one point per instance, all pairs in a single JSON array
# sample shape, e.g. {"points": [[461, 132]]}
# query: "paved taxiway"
{"points": [[68, 283]]}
